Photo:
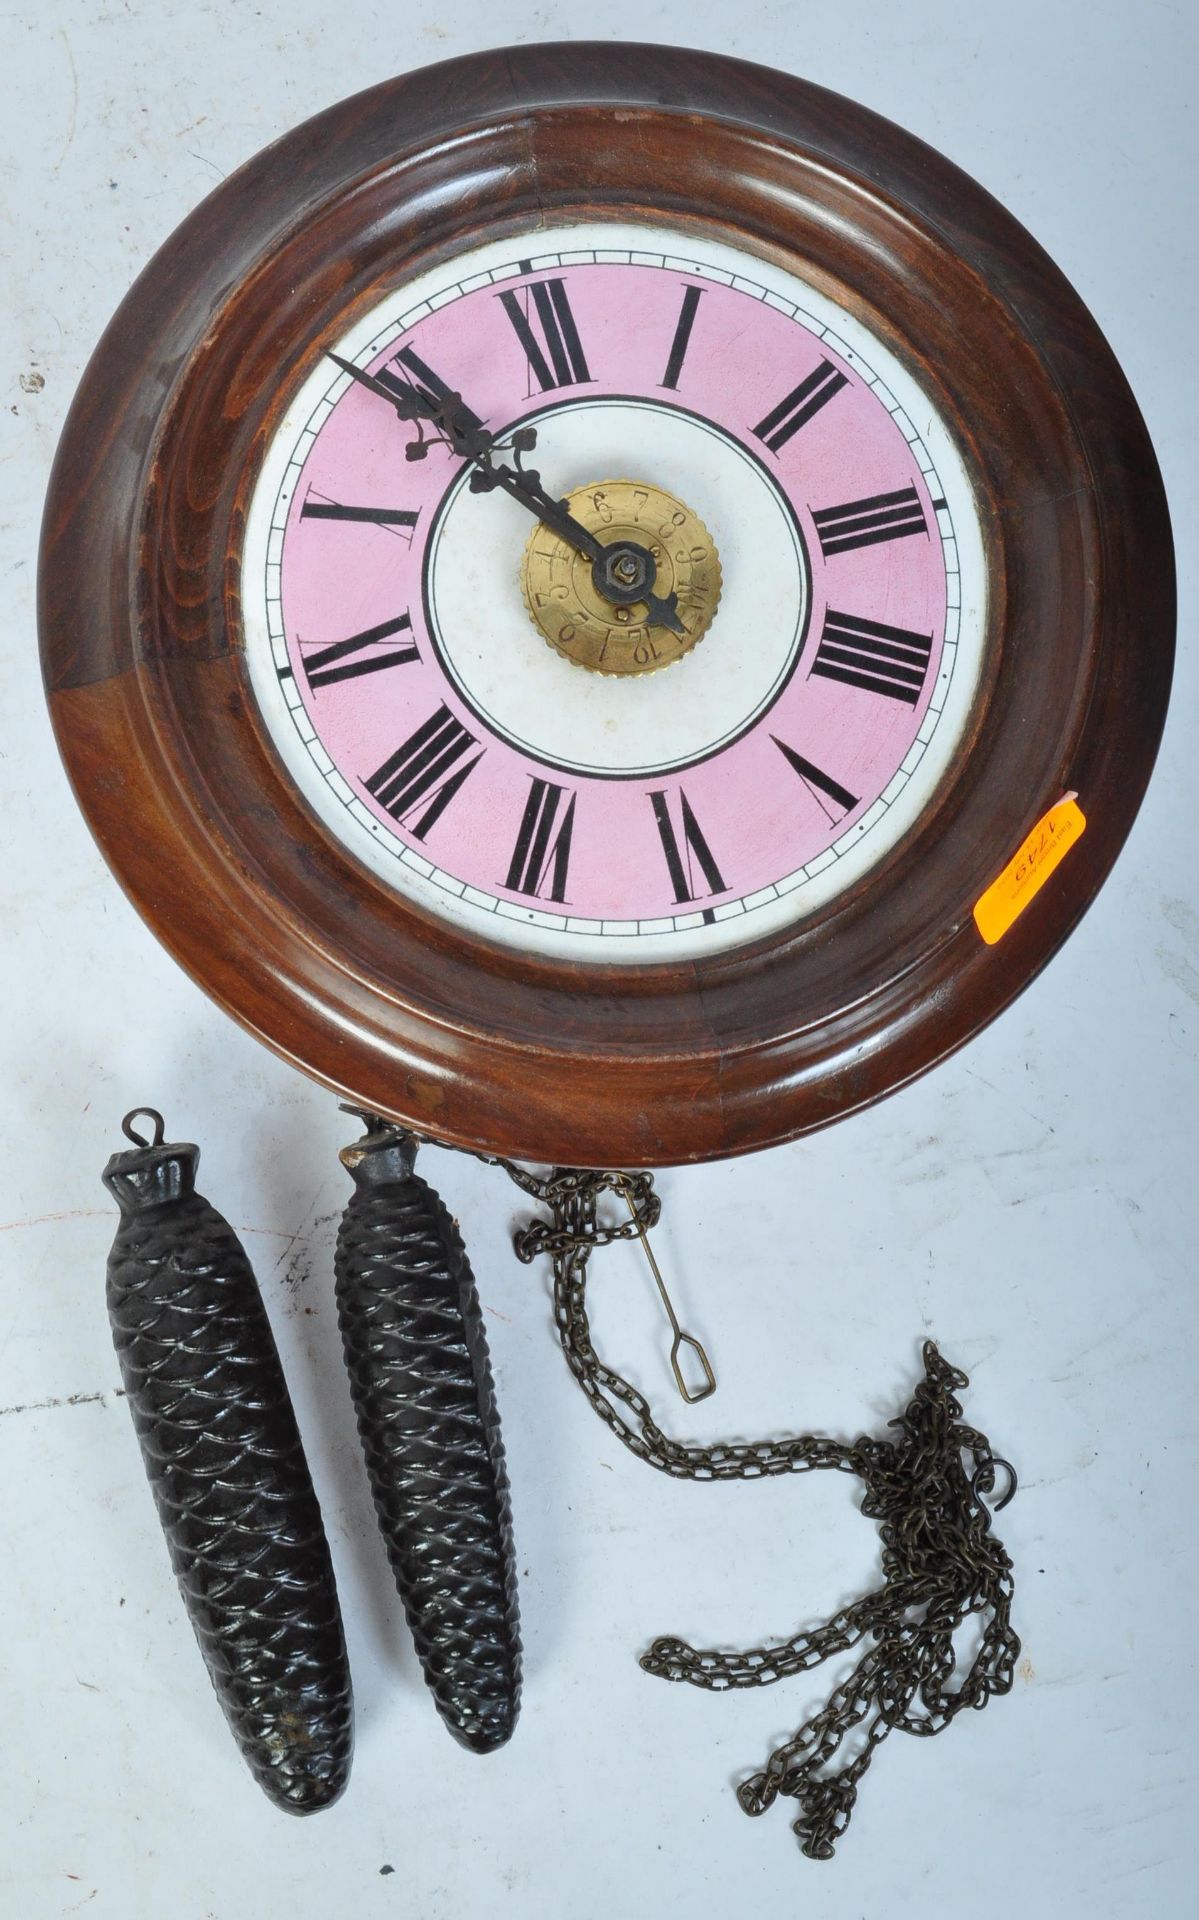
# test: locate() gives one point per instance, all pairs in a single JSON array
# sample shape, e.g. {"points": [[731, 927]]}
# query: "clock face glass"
{"points": [[522, 755]]}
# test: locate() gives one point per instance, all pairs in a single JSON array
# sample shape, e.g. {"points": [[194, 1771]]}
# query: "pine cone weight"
{"points": [[421, 1382], [223, 1454]]}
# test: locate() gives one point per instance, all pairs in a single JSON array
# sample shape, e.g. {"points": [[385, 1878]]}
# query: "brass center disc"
{"points": [[589, 630]]}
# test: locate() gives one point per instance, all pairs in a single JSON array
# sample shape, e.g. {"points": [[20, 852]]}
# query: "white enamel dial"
{"points": [[501, 786]]}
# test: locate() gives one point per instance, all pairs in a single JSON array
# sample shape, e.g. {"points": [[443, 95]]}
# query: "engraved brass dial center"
{"points": [[607, 631]]}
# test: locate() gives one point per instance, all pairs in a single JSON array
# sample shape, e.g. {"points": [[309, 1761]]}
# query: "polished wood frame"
{"points": [[442, 1030]]}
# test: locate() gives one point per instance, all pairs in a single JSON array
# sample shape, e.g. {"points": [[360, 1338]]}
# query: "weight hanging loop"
{"points": [[144, 1113]]}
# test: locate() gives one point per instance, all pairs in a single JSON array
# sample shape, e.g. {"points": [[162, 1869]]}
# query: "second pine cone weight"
{"points": [[421, 1381]]}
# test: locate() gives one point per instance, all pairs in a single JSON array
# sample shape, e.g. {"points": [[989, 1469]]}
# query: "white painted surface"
{"points": [[1032, 1202], [590, 721]]}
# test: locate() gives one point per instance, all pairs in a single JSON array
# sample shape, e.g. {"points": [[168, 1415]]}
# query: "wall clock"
{"points": [[569, 579]]}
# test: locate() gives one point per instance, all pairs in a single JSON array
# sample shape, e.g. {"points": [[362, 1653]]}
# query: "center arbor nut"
{"points": [[610, 635]]}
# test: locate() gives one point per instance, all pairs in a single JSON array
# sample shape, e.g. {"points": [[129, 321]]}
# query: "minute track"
{"points": [[759, 894]]}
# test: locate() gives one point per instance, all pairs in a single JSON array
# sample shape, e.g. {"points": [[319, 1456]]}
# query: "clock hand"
{"points": [[408, 403], [622, 572], [471, 441]]}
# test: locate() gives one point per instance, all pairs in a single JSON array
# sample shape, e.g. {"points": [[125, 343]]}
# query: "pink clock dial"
{"points": [[664, 812]]}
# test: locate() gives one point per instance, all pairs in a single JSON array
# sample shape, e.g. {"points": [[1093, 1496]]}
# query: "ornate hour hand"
{"points": [[623, 572]]}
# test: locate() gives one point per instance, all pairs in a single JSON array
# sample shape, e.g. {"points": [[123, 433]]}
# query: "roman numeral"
{"points": [[863, 523], [535, 850], [566, 365], [800, 405], [336, 662], [679, 860], [817, 781], [682, 336], [868, 654], [394, 519], [419, 377], [428, 767]]}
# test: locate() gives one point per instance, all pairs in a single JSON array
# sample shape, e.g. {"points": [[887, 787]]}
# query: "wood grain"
{"points": [[439, 1029]]}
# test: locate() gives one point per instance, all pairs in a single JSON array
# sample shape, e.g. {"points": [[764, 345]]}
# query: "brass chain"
{"points": [[941, 1562]]}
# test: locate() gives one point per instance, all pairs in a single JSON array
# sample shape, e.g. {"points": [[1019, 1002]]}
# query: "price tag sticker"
{"points": [[1026, 873]]}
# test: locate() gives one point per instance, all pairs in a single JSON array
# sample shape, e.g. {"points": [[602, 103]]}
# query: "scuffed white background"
{"points": [[1032, 1203]]}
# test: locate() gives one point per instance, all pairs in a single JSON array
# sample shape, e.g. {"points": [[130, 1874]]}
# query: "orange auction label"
{"points": [[1024, 876]]}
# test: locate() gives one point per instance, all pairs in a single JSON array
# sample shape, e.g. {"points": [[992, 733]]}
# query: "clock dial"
{"points": [[648, 827], [516, 750]]}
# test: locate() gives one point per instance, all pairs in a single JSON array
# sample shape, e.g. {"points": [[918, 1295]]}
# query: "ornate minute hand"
{"points": [[622, 572]]}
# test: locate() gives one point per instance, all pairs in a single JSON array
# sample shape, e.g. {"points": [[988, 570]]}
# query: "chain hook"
{"points": [[983, 1481], [690, 1394]]}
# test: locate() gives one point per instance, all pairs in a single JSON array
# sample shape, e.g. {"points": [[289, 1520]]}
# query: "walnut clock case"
{"points": [[568, 579]]}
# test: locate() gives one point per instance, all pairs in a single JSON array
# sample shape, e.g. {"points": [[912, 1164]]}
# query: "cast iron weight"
{"points": [[421, 1381], [227, 1470]]}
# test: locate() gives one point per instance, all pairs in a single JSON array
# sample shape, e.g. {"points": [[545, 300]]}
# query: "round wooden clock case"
{"points": [[432, 1022]]}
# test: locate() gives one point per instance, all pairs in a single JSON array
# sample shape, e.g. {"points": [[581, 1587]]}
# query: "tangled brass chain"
{"points": [[926, 1487]]}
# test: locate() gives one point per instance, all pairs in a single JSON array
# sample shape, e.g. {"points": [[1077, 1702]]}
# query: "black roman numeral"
{"points": [[679, 860], [566, 365], [682, 336], [395, 519], [863, 523], [871, 655], [800, 405], [429, 766], [816, 780], [337, 662], [419, 377], [538, 848]]}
